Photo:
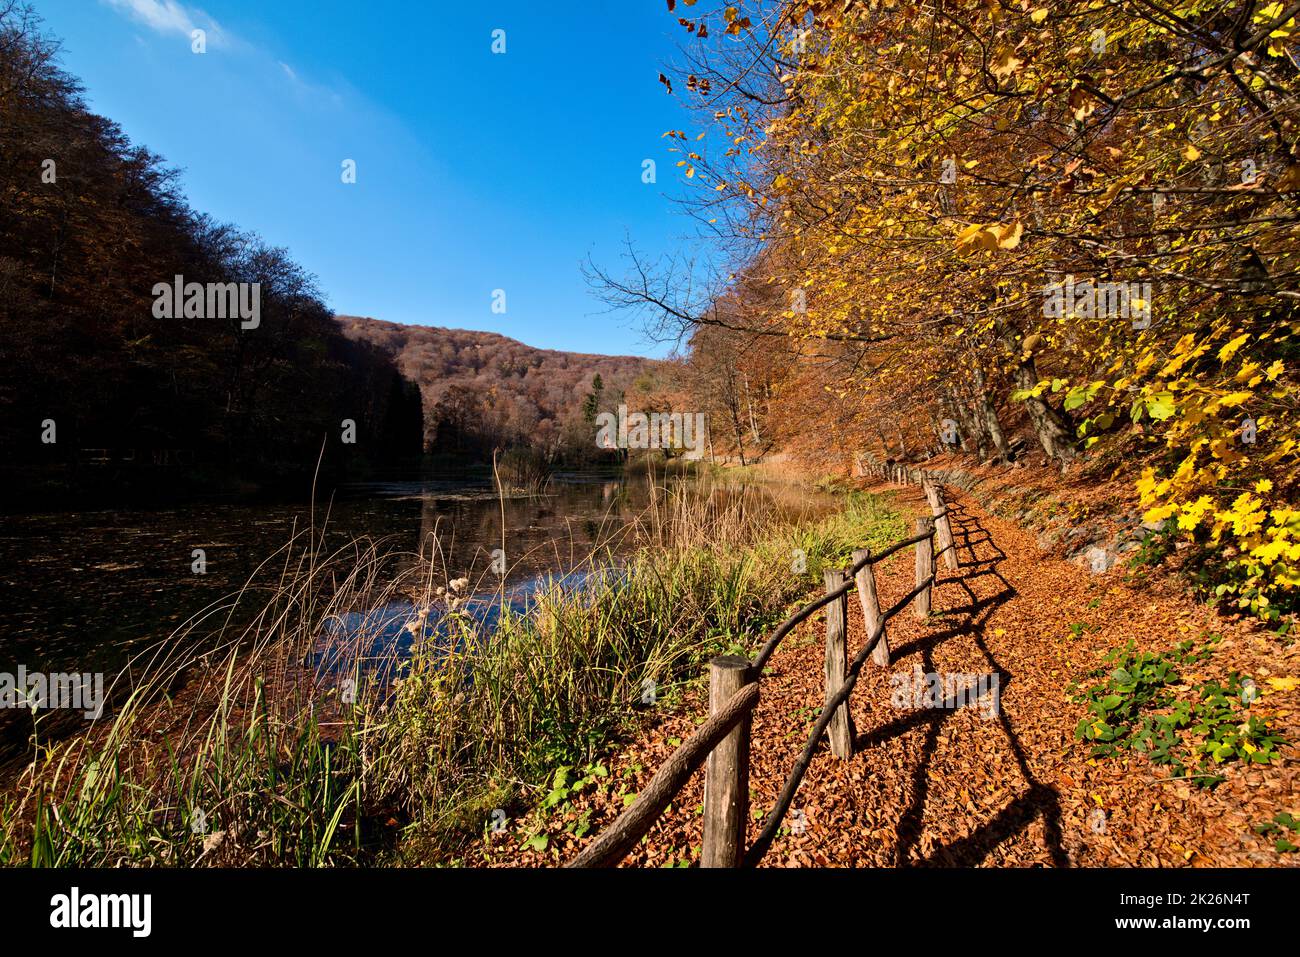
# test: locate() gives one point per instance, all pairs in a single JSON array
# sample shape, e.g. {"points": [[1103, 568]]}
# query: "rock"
{"points": [[1099, 560]]}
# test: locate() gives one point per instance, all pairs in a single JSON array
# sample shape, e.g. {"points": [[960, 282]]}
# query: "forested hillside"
{"points": [[483, 391], [1065, 233], [95, 389]]}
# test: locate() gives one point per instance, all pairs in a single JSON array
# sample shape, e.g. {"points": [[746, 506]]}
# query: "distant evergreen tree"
{"points": [[591, 405]]}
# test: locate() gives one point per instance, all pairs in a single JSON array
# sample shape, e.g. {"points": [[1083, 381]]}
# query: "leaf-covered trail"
{"points": [[930, 786]]}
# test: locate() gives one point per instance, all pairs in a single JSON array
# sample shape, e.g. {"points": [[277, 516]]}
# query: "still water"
{"points": [[84, 590]]}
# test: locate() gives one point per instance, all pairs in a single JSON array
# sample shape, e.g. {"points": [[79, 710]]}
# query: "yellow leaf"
{"points": [[1006, 63], [1228, 350], [1039, 15], [1008, 237]]}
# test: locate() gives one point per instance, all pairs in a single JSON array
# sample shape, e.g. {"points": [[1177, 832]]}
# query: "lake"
{"points": [[83, 591]]}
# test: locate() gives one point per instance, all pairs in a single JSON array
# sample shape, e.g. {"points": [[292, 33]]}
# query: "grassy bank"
{"points": [[246, 755]]}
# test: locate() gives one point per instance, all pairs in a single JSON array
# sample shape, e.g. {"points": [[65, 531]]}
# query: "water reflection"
{"points": [[84, 590], [377, 640]]}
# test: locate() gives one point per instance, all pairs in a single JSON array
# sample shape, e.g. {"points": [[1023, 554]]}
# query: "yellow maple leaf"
{"points": [[1228, 350]]}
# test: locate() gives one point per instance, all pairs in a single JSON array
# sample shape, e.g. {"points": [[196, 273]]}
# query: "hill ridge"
{"points": [[486, 390]]}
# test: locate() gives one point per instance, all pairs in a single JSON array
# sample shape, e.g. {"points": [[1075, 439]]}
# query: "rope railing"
{"points": [[723, 740]]}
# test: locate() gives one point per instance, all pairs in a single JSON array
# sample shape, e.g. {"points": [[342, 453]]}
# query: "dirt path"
{"points": [[962, 787]]}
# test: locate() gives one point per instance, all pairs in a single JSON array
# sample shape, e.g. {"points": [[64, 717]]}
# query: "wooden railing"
{"points": [[723, 741]]}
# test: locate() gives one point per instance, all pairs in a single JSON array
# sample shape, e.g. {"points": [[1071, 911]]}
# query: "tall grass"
{"points": [[242, 750], [523, 470]]}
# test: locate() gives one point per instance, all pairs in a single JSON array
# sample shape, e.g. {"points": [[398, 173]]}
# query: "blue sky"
{"points": [[475, 171]]}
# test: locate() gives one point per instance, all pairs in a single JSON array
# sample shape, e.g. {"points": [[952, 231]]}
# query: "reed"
{"points": [[275, 738]]}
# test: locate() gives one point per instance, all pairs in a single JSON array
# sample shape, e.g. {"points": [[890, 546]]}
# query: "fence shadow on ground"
{"points": [[978, 558], [723, 741]]}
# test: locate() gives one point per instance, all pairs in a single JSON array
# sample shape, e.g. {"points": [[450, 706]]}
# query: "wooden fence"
{"points": [[723, 741]]}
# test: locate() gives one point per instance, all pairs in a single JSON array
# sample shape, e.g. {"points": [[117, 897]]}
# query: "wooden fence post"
{"points": [[726, 775], [924, 565], [866, 580], [943, 526], [840, 730]]}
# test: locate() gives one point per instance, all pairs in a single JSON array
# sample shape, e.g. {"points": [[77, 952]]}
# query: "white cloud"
{"points": [[169, 16], [174, 17]]}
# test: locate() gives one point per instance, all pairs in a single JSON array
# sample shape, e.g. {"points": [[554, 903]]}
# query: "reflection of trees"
{"points": [[558, 530]]}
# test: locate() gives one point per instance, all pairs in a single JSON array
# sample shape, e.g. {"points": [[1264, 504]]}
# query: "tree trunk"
{"points": [[972, 427], [953, 407], [753, 422], [988, 416], [740, 431], [1050, 426]]}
